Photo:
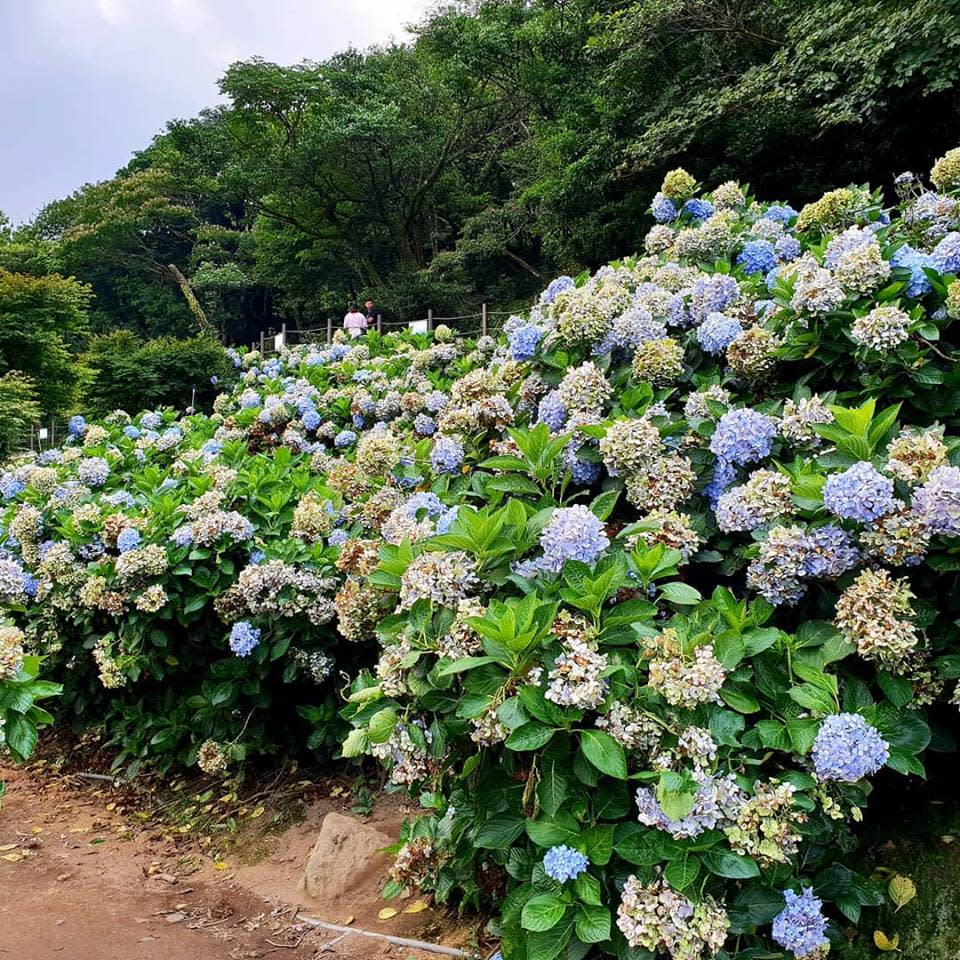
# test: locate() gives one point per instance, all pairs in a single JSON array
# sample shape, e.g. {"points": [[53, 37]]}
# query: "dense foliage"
{"points": [[130, 374], [508, 141], [650, 591]]}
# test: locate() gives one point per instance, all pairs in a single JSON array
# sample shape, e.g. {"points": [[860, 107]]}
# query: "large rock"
{"points": [[345, 856]]}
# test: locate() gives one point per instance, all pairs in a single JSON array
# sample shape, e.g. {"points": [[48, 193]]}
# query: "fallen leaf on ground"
{"points": [[387, 913], [418, 906]]}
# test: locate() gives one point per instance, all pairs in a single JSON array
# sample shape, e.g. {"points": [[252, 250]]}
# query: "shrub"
{"points": [[132, 374], [659, 585], [19, 410]]}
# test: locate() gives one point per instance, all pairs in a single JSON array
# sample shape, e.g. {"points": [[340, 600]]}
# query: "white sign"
{"points": [[43, 433], [417, 326], [278, 342]]}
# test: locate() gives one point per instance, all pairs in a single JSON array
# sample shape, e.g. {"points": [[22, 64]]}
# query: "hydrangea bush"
{"points": [[698, 591], [639, 599]]}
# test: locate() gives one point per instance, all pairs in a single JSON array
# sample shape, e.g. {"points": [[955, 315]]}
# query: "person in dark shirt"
{"points": [[372, 313]]}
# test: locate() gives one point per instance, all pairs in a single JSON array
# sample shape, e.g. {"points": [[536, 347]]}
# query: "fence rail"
{"points": [[484, 322], [41, 436]]}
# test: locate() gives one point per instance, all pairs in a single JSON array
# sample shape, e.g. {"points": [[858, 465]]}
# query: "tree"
{"points": [[140, 222], [19, 410], [43, 324]]}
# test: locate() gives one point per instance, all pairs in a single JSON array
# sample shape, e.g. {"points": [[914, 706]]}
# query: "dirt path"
{"points": [[79, 880]]}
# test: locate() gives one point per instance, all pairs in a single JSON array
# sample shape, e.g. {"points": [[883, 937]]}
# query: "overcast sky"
{"points": [[87, 82]]}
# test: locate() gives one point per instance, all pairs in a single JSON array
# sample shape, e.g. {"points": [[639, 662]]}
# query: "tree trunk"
{"points": [[192, 302]]}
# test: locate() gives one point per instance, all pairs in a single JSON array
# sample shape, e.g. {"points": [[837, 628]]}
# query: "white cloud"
{"points": [[89, 81]]}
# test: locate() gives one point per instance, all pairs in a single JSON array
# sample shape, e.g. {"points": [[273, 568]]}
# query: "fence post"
{"points": [[483, 319], [262, 343], [379, 323], [430, 319], [329, 329], [283, 332]]}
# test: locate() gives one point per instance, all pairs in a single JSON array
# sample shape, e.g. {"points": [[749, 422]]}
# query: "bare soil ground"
{"points": [[84, 877]]}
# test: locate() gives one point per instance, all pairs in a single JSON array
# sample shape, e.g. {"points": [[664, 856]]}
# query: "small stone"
{"points": [[346, 854]]}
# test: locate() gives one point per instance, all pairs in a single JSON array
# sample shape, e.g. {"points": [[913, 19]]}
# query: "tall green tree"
{"points": [[43, 325]]}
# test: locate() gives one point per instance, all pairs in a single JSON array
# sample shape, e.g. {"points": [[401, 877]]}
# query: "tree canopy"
{"points": [[510, 140]]}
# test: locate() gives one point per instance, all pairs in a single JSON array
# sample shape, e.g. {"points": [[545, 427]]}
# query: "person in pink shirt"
{"points": [[355, 323]]}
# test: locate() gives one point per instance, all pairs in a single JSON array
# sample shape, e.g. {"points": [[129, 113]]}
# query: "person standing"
{"points": [[373, 315], [355, 323]]}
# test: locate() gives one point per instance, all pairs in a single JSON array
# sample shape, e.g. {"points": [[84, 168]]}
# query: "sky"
{"points": [[87, 82]]}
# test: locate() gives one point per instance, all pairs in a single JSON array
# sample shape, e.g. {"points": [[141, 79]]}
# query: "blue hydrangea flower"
{"points": [[311, 420], [552, 411], [447, 455], [131, 432], [937, 502], [77, 426], [424, 425], [573, 533], [257, 557], [698, 209], [153, 421], [345, 438], [787, 249], [358, 421], [757, 256], [11, 486], [555, 287], [182, 536], [128, 539], [780, 212], [916, 262], [338, 538], [830, 552], [249, 399], [427, 502], [946, 254], [244, 638], [860, 492], [437, 401], [445, 520], [584, 473], [724, 473], [743, 436], [214, 379], [712, 294], [800, 927], [523, 342], [847, 748], [563, 863], [93, 471], [717, 332], [663, 209]]}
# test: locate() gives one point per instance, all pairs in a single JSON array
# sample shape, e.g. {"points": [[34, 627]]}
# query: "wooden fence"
{"points": [[479, 324]]}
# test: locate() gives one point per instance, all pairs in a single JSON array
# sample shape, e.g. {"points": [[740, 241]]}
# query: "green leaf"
{"points": [[587, 888], [542, 912], [498, 833], [593, 923], [731, 865], [680, 593], [551, 831], [21, 735], [681, 873], [553, 788], [604, 503], [460, 666], [644, 846], [598, 843], [604, 753], [531, 736]]}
